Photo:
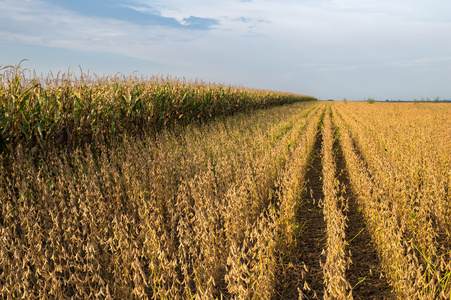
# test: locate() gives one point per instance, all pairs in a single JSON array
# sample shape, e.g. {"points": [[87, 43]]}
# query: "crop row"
{"points": [[66, 111], [204, 212], [335, 265], [398, 160], [221, 209]]}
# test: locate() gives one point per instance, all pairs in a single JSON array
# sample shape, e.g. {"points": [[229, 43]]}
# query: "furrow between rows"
{"points": [[397, 259], [364, 272]]}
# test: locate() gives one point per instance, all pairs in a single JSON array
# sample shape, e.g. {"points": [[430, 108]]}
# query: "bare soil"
{"points": [[304, 272], [364, 274]]}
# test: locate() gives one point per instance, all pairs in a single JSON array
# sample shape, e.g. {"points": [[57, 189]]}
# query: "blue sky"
{"points": [[383, 49]]}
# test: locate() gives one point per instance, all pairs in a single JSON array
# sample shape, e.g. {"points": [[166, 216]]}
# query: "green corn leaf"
{"points": [[27, 138]]}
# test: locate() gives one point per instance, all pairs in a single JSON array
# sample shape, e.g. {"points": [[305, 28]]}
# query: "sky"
{"points": [[329, 49]]}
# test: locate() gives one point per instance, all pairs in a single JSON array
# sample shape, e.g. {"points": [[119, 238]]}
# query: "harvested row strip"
{"points": [[301, 223], [311, 219]]}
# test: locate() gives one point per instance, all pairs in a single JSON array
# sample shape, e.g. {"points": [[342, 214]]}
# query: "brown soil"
{"points": [[364, 273], [308, 252]]}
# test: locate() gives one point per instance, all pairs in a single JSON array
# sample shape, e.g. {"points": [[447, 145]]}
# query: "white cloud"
{"points": [[258, 42]]}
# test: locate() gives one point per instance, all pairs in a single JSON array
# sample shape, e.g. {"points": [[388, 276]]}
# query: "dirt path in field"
{"points": [[308, 252], [313, 239], [365, 272]]}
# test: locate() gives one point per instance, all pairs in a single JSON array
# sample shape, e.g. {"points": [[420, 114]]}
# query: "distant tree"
{"points": [[437, 99], [370, 100], [345, 101]]}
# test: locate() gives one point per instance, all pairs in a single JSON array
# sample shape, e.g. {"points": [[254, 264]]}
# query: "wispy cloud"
{"points": [[131, 12], [45, 24], [258, 43], [200, 23]]}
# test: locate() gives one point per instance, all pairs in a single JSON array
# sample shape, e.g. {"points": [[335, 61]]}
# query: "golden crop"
{"points": [[219, 209], [183, 214], [398, 157]]}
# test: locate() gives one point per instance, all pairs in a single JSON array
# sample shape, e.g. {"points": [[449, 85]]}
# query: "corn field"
{"points": [[309, 200], [41, 113]]}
